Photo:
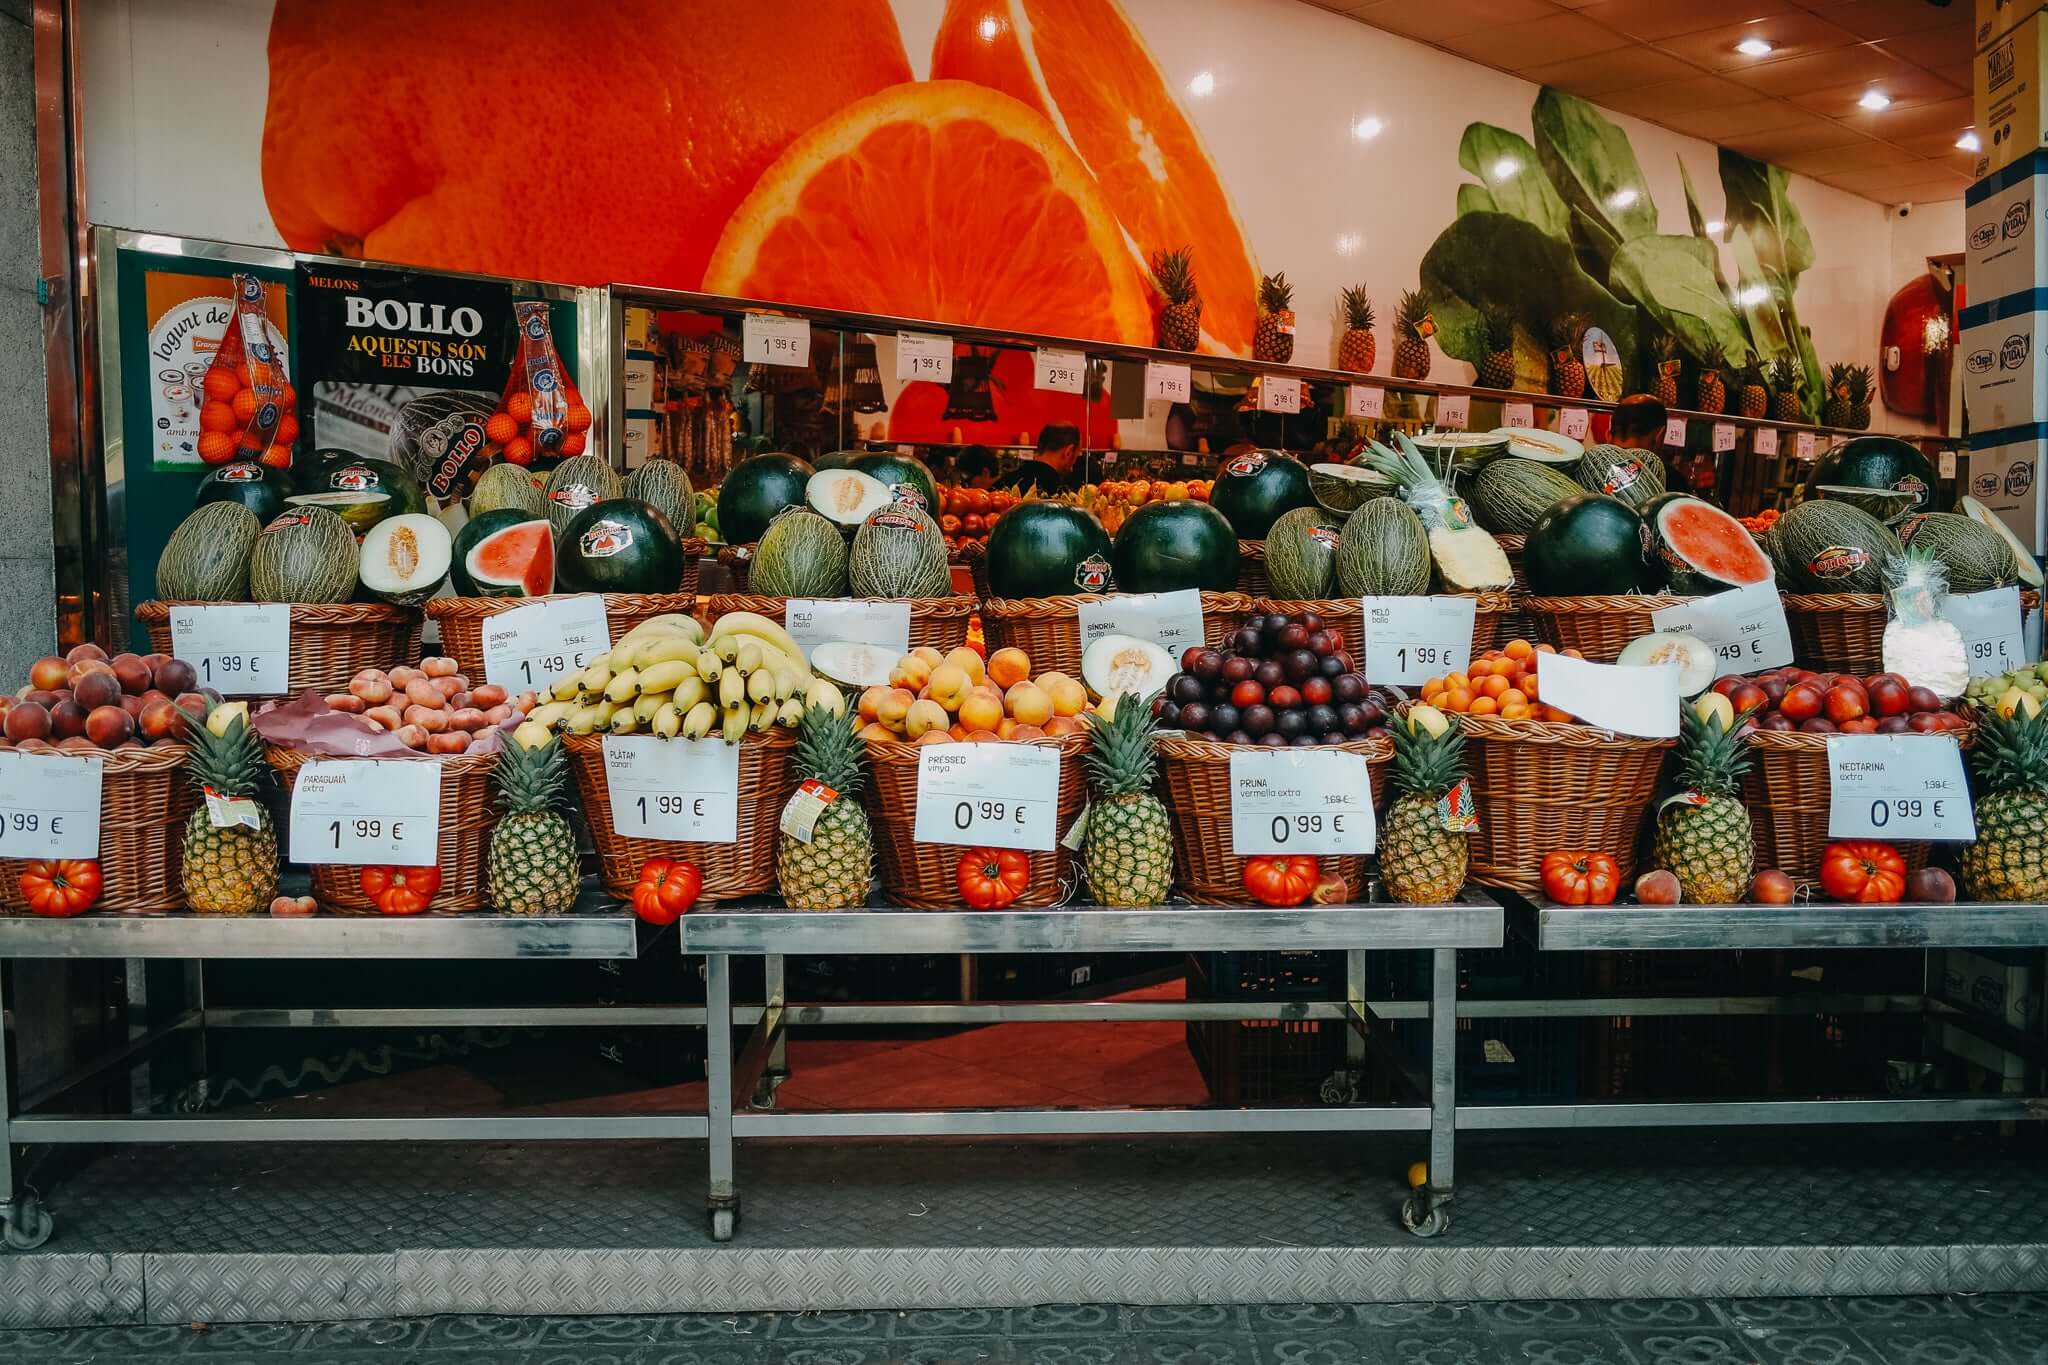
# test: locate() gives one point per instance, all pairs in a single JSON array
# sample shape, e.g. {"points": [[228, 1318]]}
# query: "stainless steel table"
{"points": [[741, 1091]]}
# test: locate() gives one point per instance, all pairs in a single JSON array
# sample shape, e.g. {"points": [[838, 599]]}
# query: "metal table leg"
{"points": [[773, 994], [24, 1225], [1428, 1209], [724, 1200]]}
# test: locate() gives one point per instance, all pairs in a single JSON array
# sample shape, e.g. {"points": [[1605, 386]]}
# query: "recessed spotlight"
{"points": [[1752, 295], [1506, 168], [1622, 198], [1204, 83], [1969, 141], [1349, 243], [989, 27], [1755, 47], [1874, 100], [1366, 129], [1714, 227]]}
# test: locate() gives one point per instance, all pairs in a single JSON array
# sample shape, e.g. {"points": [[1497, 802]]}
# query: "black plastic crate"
{"points": [[1266, 1061]]}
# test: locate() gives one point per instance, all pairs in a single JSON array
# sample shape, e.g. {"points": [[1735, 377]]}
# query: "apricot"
{"points": [[874, 730], [870, 704], [911, 672], [968, 662], [1069, 698], [923, 716], [933, 737], [894, 707], [1061, 726], [932, 657], [1029, 703], [981, 711], [949, 686], [1024, 732], [1008, 667]]}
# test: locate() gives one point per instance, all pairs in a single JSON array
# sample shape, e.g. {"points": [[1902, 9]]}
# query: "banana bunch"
{"points": [[666, 677]]}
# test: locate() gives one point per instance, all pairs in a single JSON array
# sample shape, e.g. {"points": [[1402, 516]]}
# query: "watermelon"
{"points": [[1823, 545], [1701, 547], [504, 553], [340, 471], [906, 478], [756, 489], [1168, 546], [1877, 462], [1384, 551], [1588, 546], [1047, 549], [1977, 557], [1254, 488], [1301, 554], [838, 459], [619, 545], [257, 487], [360, 511]]}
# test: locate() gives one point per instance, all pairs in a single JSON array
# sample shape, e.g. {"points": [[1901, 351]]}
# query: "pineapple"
{"points": [[2009, 861], [1703, 834], [833, 870], [1466, 557], [1835, 412], [1413, 328], [1273, 338], [1567, 363], [1665, 387], [532, 864], [1358, 348], [1180, 321], [1787, 404], [1709, 393], [231, 870], [1859, 397], [1497, 371], [1755, 397], [1129, 854], [1422, 862]]}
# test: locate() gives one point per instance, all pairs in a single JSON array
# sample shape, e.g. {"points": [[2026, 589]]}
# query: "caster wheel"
{"points": [[723, 1224], [25, 1226], [1340, 1087], [764, 1093], [1432, 1223]]}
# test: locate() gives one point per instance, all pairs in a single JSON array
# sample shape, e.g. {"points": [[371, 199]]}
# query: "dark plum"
{"points": [[1312, 619], [1237, 737], [1293, 636], [1270, 673], [1208, 663], [1290, 723], [1248, 641], [1374, 713], [1306, 739], [1323, 643], [1236, 669], [1195, 716], [1188, 657], [1300, 663], [1185, 687], [1344, 657], [1168, 713], [1272, 739], [1257, 720], [1273, 622], [1223, 717], [1352, 717], [1322, 718], [1348, 687], [1159, 703], [1330, 667]]}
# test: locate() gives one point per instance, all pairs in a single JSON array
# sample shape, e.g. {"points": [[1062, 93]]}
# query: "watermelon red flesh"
{"points": [[1711, 543], [516, 562]]}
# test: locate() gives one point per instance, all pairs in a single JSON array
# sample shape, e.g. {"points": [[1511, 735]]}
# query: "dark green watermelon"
{"points": [[838, 459], [504, 552], [257, 487], [1877, 462], [1590, 545], [901, 475], [755, 489], [1047, 549], [619, 545], [342, 471], [1167, 546], [1255, 489]]}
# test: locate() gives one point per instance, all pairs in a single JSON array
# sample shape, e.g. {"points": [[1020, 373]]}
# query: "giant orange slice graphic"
{"points": [[1083, 65], [939, 200], [540, 138]]}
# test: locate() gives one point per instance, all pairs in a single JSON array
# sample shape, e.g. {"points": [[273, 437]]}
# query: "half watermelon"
{"points": [[504, 553], [1702, 548]]}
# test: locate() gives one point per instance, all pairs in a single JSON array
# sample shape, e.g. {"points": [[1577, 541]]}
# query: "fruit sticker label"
{"points": [[574, 496], [1627, 699], [1300, 801], [1409, 640], [367, 811], [1894, 787], [1745, 627], [685, 790], [534, 645], [286, 521], [1623, 475], [1171, 620], [1245, 465], [1838, 561], [1994, 635], [603, 538], [766, 339], [49, 806], [237, 650], [800, 813], [1091, 574], [1456, 811], [1000, 795], [813, 623]]}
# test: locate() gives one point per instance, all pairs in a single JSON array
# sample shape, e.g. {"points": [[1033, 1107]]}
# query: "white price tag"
{"points": [[1724, 437], [1576, 423], [1109, 457], [1060, 371], [1674, 431], [534, 645], [815, 622], [988, 795], [1453, 411], [766, 339], [1409, 640], [921, 355], [686, 790], [367, 811], [1279, 393], [1166, 381], [1993, 634], [1744, 626], [1898, 787], [1802, 445], [1627, 699], [1945, 465], [238, 651], [1765, 442], [1518, 414], [1363, 400], [49, 806], [1189, 458], [2031, 633], [1300, 801], [1171, 620]]}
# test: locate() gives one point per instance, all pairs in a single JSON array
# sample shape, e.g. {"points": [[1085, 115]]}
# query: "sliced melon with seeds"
{"points": [[1696, 660], [1122, 663], [853, 663], [846, 497]]}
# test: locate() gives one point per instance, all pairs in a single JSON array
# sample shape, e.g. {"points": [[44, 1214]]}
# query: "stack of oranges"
{"points": [[510, 428], [227, 418], [1501, 682]]}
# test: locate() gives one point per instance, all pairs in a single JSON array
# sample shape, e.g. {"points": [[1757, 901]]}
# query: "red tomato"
{"points": [[61, 888], [400, 890], [1280, 881], [1581, 878], [1870, 872], [667, 889], [991, 878]]}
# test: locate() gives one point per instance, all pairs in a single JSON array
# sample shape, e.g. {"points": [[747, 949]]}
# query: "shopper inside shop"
{"points": [[1052, 469], [1638, 423], [975, 467]]}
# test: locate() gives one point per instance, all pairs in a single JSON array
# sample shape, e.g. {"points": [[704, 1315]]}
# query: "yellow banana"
{"points": [[698, 720], [548, 713], [726, 647], [567, 689], [763, 716], [668, 623], [668, 675], [790, 714], [761, 686], [661, 649], [623, 687], [735, 724], [749, 658], [598, 676], [823, 693], [624, 721], [584, 719], [603, 709], [648, 704], [708, 664], [666, 721], [689, 692], [732, 689], [753, 623]]}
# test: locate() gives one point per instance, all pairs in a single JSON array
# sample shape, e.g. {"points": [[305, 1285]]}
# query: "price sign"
{"points": [[1278, 393], [1802, 445], [2031, 631], [534, 645], [1363, 400], [1745, 626], [813, 623], [1409, 640], [1627, 699], [680, 789], [1724, 437], [1060, 371], [1945, 465], [1109, 457], [1166, 381], [1674, 431], [1300, 802], [1453, 412], [921, 355], [766, 339], [49, 806], [238, 651], [1574, 422], [1994, 636], [363, 811], [1171, 620], [988, 795], [1898, 787], [1518, 414], [1765, 442]]}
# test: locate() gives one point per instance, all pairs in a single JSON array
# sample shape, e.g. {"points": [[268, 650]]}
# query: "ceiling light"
{"points": [[1204, 83], [989, 27], [1714, 227], [1874, 100], [1969, 141], [1754, 47], [1622, 198], [1506, 168], [1349, 243], [1366, 129], [1752, 295]]}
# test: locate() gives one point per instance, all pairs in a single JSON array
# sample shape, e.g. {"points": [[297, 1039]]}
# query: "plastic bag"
{"points": [[1920, 645], [540, 415], [250, 410]]}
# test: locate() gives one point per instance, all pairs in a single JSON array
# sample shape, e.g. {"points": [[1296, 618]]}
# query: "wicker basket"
{"points": [[940, 622], [145, 797], [695, 548], [1347, 616], [745, 867], [1049, 628], [1598, 627], [1196, 776], [1787, 792], [466, 819], [1541, 786], [462, 619], [331, 643], [925, 876], [1843, 632], [1251, 569], [1518, 624], [736, 560]]}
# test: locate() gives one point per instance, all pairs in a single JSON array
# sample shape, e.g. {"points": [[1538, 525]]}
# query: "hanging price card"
{"points": [[1453, 412], [766, 339], [681, 789], [1171, 620], [1629, 700], [1409, 640], [1518, 414], [1993, 633], [1674, 431], [813, 623], [1574, 422], [1166, 381], [1745, 627], [1278, 393], [1724, 437], [1300, 801], [1803, 446], [1898, 787], [49, 806], [1945, 465], [922, 355], [238, 651], [534, 645], [364, 811], [1060, 371], [1765, 442], [1363, 400], [992, 795]]}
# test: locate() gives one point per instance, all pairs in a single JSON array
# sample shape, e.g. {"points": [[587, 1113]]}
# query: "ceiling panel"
{"points": [[1790, 36], [1638, 67], [1655, 20], [1540, 42]]}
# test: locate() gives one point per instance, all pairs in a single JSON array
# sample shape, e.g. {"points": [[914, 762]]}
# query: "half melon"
{"points": [[846, 497], [404, 558], [2029, 567], [1701, 547], [504, 553]]}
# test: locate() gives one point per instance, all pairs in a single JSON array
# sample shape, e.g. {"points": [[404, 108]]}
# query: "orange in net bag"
{"points": [[250, 411], [540, 414]]}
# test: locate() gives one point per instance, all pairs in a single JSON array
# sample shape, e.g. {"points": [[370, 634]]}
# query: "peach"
{"points": [[412, 736], [968, 662], [933, 737], [387, 716], [1069, 698], [49, 674], [347, 702], [958, 731], [894, 707], [97, 689], [981, 711], [1007, 729], [176, 676], [466, 719], [453, 742], [1060, 726], [72, 744], [874, 730], [81, 652], [422, 692], [132, 705], [67, 718], [155, 661], [498, 714], [160, 719], [440, 666], [982, 737], [1024, 732], [910, 672], [134, 675], [107, 726], [448, 684], [1657, 888], [1008, 667], [43, 746], [372, 686], [932, 657], [950, 685], [29, 720], [487, 696], [426, 718], [870, 704], [1029, 703], [401, 677], [923, 716]]}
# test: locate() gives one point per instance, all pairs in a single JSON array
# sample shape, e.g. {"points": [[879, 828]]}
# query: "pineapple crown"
{"points": [[1357, 308], [1716, 359], [1422, 488], [1838, 378], [1408, 314], [1500, 329], [1276, 295], [531, 779], [1711, 755], [2011, 754], [229, 759], [1859, 383], [1568, 331], [829, 748], [1784, 374], [1120, 758], [1427, 762], [1752, 375], [1174, 271], [1664, 346]]}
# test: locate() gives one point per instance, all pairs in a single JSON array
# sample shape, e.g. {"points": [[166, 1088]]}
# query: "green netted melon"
{"points": [[578, 483], [207, 557], [1826, 546], [1383, 552], [1588, 546], [1301, 554], [898, 552], [663, 485], [1508, 494], [801, 554], [1633, 476], [507, 486], [1976, 556], [306, 554]]}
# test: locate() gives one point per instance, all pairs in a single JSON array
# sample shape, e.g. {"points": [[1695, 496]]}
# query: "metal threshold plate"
{"points": [[596, 932], [1634, 928]]}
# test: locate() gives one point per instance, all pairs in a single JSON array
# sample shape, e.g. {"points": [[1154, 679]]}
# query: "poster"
{"points": [[187, 316]]}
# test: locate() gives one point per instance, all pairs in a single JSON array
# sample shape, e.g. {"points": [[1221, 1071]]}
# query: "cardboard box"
{"points": [[1996, 18], [2007, 80], [2005, 385], [2004, 474], [1995, 984], [2005, 249]]}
